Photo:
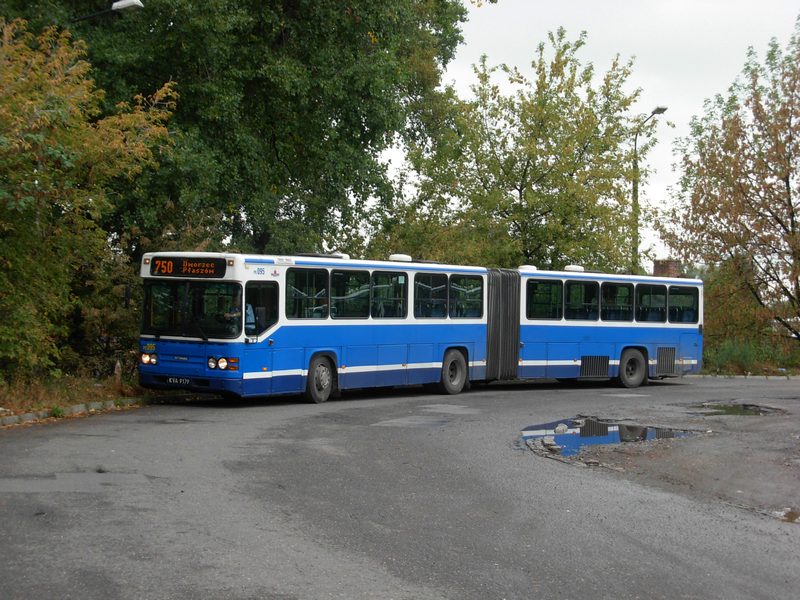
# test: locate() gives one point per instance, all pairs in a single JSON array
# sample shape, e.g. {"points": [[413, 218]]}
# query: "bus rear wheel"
{"points": [[320, 380], [454, 373], [632, 369]]}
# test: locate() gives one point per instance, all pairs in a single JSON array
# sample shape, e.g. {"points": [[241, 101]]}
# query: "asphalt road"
{"points": [[401, 495]]}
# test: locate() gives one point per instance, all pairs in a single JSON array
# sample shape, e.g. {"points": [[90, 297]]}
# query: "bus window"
{"points": [[161, 306], [430, 295], [617, 302], [466, 297], [349, 294], [684, 304], [651, 303], [261, 306], [202, 309], [582, 300], [544, 299], [307, 294], [388, 295]]}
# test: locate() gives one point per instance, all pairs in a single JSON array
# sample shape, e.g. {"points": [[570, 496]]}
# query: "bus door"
{"points": [[260, 315], [502, 344]]}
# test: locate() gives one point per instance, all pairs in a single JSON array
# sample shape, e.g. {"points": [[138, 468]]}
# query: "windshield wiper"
{"points": [[200, 330]]}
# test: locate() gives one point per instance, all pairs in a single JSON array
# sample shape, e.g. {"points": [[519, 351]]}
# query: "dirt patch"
{"points": [[752, 462]]}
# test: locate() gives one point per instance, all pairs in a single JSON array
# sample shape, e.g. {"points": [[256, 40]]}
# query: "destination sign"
{"points": [[181, 266]]}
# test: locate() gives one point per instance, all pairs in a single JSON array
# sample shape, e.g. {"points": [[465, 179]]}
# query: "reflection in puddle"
{"points": [[569, 436]]}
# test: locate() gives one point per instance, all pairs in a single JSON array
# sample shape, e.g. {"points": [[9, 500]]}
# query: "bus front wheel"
{"points": [[320, 380], [454, 373], [632, 369]]}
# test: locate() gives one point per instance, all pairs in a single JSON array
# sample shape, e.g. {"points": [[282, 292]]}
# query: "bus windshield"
{"points": [[201, 309]]}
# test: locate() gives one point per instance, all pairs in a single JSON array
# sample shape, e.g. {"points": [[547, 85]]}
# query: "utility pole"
{"points": [[635, 209]]}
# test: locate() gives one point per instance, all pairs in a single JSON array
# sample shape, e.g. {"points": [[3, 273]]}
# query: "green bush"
{"points": [[742, 356]]}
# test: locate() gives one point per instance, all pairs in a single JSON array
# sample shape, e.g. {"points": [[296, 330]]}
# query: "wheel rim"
{"points": [[322, 378], [631, 368], [452, 372]]}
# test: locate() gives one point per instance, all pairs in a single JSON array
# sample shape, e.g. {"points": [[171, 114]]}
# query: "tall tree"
{"points": [[287, 106], [537, 170], [739, 194], [57, 157]]}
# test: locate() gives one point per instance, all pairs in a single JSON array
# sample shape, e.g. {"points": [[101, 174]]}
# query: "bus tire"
{"points": [[632, 369], [320, 380], [454, 373]]}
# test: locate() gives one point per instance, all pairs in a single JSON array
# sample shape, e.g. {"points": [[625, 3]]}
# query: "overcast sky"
{"points": [[685, 51]]}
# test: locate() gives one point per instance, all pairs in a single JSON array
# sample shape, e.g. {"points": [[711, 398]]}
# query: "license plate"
{"points": [[178, 380]]}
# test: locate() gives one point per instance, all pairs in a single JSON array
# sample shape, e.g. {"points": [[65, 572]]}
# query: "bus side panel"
{"points": [[371, 355], [691, 353], [563, 360], [533, 355], [392, 364], [256, 369], [421, 365], [358, 367], [289, 369]]}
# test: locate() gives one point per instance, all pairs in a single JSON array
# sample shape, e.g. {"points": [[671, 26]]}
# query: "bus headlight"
{"points": [[154, 359], [149, 359], [223, 363]]}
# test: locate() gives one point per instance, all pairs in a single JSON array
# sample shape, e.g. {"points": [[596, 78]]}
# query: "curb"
{"points": [[75, 410], [751, 376]]}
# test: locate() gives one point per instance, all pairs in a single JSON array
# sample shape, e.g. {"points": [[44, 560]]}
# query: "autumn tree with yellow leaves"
{"points": [[57, 157], [739, 195]]}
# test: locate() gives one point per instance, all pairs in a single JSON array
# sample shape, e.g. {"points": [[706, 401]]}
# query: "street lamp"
{"points": [[115, 7], [635, 210]]}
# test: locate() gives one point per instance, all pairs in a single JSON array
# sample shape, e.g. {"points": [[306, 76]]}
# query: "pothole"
{"points": [[569, 436], [713, 409]]}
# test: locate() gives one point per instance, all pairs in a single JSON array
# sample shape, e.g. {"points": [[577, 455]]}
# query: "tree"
{"points": [[738, 201], [57, 157], [538, 175], [287, 107]]}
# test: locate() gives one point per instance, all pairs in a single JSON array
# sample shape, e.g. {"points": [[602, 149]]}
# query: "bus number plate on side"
{"points": [[179, 380]]}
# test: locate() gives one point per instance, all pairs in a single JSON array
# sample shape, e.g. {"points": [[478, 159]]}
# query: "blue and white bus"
{"points": [[253, 325]]}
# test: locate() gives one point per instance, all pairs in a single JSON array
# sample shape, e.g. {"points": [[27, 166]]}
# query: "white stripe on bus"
{"points": [[361, 369]]}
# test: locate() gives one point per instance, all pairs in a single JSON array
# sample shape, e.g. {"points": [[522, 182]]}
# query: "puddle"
{"points": [[710, 409], [569, 436]]}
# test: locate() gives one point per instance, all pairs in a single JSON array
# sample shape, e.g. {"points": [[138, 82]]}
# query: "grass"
{"points": [[55, 396], [770, 356]]}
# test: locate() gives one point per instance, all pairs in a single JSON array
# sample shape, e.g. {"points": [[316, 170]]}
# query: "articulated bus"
{"points": [[249, 326]]}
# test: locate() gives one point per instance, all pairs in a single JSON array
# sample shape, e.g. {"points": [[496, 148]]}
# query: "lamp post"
{"points": [[635, 210], [115, 7]]}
